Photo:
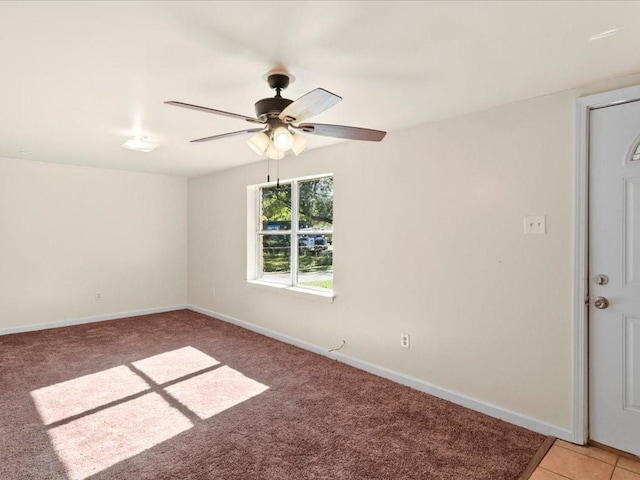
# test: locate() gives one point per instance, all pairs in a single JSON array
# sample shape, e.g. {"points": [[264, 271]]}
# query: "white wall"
{"points": [[428, 241], [68, 232]]}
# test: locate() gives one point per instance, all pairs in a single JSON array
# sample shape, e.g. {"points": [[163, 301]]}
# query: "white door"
{"points": [[614, 251]]}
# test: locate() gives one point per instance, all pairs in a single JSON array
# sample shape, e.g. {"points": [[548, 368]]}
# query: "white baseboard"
{"points": [[492, 410], [97, 318]]}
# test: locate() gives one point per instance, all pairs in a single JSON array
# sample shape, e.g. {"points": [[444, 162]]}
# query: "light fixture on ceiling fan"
{"points": [[275, 145], [278, 117]]}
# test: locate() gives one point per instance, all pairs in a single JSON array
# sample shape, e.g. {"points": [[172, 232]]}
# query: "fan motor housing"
{"points": [[271, 107]]}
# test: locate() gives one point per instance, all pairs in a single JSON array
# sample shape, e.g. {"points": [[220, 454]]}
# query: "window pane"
{"points": [[276, 207], [275, 258], [636, 154], [315, 261], [316, 204]]}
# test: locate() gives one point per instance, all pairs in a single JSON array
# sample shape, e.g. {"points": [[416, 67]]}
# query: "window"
{"points": [[292, 233]]}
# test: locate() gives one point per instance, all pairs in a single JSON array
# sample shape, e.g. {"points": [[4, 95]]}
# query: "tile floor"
{"points": [[568, 461]]}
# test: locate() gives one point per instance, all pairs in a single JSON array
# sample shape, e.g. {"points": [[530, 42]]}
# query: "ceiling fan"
{"points": [[279, 119]]}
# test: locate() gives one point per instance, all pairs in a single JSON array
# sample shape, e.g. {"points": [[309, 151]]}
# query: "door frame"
{"points": [[583, 106]]}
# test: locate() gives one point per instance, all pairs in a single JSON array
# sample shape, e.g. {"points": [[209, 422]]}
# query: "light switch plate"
{"points": [[535, 224]]}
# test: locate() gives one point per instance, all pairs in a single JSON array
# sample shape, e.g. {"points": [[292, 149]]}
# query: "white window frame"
{"points": [[254, 231]]}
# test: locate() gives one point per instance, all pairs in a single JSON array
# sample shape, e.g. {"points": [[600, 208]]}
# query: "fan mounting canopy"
{"points": [[278, 81]]}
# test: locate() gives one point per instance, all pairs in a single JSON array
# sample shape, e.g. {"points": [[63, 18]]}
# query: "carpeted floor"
{"points": [[182, 396]]}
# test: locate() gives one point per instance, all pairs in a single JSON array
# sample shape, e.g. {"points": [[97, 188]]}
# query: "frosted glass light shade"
{"points": [[139, 145], [273, 153], [299, 144], [282, 139], [259, 143]]}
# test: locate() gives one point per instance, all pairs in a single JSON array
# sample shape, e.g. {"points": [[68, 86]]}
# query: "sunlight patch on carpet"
{"points": [[98, 420], [92, 443], [73, 397], [175, 364], [213, 392]]}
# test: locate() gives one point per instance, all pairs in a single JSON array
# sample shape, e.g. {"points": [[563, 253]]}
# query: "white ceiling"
{"points": [[80, 78]]}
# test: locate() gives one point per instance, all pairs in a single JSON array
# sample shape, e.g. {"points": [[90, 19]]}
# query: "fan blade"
{"points": [[225, 135], [308, 105], [217, 112], [341, 131]]}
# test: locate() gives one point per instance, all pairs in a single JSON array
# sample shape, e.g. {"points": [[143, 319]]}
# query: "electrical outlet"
{"points": [[404, 340], [98, 296]]}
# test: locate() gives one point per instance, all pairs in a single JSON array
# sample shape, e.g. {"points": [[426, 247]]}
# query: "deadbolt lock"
{"points": [[601, 279]]}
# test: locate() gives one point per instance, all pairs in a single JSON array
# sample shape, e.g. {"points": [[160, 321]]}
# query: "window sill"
{"points": [[326, 297]]}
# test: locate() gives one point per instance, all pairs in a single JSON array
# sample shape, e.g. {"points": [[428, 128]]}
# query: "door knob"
{"points": [[601, 303]]}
